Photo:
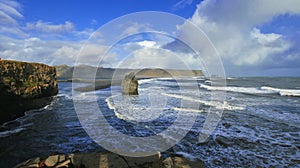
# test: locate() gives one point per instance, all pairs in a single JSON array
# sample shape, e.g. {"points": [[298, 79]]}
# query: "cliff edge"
{"points": [[24, 86]]}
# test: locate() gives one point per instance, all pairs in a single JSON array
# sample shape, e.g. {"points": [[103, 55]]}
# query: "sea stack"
{"points": [[130, 84], [25, 86]]}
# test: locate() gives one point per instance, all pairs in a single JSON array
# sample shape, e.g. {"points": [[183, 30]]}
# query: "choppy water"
{"points": [[260, 125]]}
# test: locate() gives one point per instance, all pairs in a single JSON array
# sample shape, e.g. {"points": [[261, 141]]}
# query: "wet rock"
{"points": [[51, 161], [153, 161], [181, 162], [34, 165], [168, 163], [29, 163], [61, 158], [112, 160], [64, 164], [130, 84]]}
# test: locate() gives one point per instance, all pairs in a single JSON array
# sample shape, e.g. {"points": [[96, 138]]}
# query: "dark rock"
{"points": [[24, 86], [130, 84], [112, 160]]}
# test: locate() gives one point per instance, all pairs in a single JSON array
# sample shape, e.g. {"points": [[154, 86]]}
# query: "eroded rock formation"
{"points": [[130, 84]]}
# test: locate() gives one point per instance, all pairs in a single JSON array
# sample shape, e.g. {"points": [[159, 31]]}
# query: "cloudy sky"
{"points": [[252, 37]]}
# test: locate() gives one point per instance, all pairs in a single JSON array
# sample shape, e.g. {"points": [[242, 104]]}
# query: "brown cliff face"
{"points": [[24, 86]]}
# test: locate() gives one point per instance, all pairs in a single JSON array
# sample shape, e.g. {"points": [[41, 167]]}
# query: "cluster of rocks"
{"points": [[58, 161], [110, 160]]}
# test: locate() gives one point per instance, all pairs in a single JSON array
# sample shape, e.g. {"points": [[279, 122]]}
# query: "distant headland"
{"points": [[65, 72], [106, 77]]}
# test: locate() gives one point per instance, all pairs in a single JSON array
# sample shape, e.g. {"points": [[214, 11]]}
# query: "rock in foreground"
{"points": [[130, 84], [111, 160], [24, 86]]}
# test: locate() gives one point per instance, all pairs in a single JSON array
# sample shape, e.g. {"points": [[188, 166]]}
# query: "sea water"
{"points": [[260, 124]]}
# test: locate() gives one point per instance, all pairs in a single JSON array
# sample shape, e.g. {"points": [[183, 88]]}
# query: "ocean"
{"points": [[259, 127]]}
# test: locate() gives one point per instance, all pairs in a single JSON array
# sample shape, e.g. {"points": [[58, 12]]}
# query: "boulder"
{"points": [[51, 161], [25, 86], [130, 84]]}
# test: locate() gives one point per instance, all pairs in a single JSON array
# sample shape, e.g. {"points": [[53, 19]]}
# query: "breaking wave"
{"points": [[253, 90]]}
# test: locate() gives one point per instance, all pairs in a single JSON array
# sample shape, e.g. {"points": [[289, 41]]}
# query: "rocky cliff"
{"points": [[24, 86]]}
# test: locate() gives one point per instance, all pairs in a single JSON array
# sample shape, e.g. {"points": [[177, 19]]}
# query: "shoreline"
{"points": [[98, 85], [112, 160]]}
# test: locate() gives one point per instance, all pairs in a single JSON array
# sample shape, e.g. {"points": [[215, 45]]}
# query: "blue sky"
{"points": [[253, 38], [82, 13]]}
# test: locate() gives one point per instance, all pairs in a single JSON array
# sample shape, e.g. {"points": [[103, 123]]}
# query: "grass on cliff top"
{"points": [[19, 62]]}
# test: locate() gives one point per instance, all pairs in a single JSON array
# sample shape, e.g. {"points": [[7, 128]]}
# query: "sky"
{"points": [[252, 37]]}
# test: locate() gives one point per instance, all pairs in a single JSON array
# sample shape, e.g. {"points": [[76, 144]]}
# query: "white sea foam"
{"points": [[10, 132], [67, 96], [87, 96], [187, 155], [110, 103], [283, 92], [247, 90], [124, 109], [188, 110], [291, 119], [208, 82], [253, 90], [142, 81], [215, 104]]}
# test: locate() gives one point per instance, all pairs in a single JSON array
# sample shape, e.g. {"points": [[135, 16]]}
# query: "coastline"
{"points": [[112, 160], [25, 86]]}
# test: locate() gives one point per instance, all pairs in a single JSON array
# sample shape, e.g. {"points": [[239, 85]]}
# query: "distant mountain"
{"points": [[65, 72], [157, 73], [83, 71]]}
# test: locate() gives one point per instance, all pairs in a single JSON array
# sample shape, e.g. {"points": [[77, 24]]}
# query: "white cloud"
{"points": [[9, 16], [32, 43], [232, 26], [146, 43], [181, 4], [47, 27], [9, 13], [149, 54], [34, 49], [133, 28]]}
